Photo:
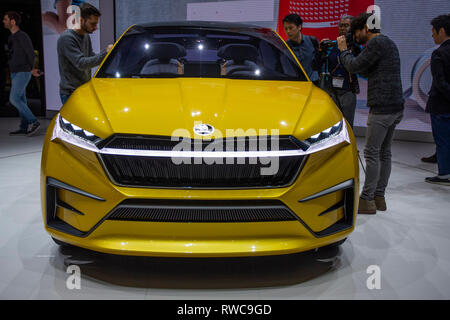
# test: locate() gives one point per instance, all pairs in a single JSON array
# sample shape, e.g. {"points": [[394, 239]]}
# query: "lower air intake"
{"points": [[201, 211]]}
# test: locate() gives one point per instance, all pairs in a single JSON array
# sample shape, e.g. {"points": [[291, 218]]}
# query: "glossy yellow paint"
{"points": [[163, 106], [82, 169], [172, 107]]}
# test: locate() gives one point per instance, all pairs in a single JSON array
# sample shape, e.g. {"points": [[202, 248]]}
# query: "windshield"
{"points": [[166, 52]]}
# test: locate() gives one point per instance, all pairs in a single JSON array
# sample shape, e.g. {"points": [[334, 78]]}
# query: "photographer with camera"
{"points": [[379, 61], [341, 85]]}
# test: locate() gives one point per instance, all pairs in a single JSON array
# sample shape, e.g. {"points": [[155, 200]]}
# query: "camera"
{"points": [[351, 44], [326, 44]]}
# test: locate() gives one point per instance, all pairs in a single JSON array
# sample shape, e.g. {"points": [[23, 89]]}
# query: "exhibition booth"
{"points": [[201, 163]]}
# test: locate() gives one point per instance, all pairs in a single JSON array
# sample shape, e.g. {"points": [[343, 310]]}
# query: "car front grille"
{"points": [[202, 211], [163, 172], [164, 143]]}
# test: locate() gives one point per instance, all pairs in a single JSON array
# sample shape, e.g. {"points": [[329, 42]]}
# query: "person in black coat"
{"points": [[2, 73], [438, 104]]}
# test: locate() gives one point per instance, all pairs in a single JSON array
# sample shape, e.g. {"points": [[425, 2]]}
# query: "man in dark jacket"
{"points": [[2, 73], [379, 61], [21, 63], [305, 48], [439, 101], [343, 86]]}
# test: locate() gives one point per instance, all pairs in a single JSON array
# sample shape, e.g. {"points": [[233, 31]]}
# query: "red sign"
{"points": [[320, 17]]}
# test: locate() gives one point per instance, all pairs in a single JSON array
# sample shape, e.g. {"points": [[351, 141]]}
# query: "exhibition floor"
{"points": [[409, 243]]}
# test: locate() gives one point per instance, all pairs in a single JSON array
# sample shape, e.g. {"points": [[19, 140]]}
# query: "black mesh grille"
{"points": [[142, 171], [162, 172], [202, 211]]}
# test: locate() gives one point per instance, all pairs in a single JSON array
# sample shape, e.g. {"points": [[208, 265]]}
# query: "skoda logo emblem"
{"points": [[203, 129]]}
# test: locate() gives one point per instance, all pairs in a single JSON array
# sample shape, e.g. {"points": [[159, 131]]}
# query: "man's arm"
{"points": [[70, 49], [437, 71], [318, 57], [363, 62], [91, 50], [27, 46]]}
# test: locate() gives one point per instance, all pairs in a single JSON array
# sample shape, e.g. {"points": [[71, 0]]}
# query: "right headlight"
{"points": [[71, 133], [77, 131]]}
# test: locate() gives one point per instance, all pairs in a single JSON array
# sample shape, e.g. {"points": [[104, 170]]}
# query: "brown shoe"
{"points": [[367, 206], [380, 203]]}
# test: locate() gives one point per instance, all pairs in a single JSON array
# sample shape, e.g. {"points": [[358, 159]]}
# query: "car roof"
{"points": [[202, 24]]}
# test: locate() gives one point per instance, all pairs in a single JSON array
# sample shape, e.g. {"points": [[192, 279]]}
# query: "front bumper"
{"points": [[79, 199]]}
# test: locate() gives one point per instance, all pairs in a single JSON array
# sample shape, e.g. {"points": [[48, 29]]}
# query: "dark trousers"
{"points": [[377, 152], [346, 101], [440, 124]]}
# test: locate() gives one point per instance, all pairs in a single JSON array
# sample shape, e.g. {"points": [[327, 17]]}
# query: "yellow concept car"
{"points": [[199, 139]]}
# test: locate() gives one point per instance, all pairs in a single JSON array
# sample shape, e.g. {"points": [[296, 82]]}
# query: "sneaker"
{"points": [[367, 206], [20, 132], [380, 203], [437, 180], [34, 128], [432, 159]]}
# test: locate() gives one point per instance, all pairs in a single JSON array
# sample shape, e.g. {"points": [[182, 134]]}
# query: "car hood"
{"points": [[162, 106]]}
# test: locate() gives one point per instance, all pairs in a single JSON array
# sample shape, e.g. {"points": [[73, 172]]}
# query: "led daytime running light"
{"points": [[63, 131], [77, 131], [325, 134]]}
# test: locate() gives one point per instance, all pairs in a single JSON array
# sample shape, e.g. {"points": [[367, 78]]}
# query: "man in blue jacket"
{"points": [[439, 101], [305, 48]]}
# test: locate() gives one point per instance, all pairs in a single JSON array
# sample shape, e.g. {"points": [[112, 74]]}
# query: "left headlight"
{"points": [[327, 138], [326, 134], [73, 134]]}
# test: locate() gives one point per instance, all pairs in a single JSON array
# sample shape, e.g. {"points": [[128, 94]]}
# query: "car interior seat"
{"points": [[240, 59], [164, 59]]}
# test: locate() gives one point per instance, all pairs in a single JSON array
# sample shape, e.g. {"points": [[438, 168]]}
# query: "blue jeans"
{"points": [[64, 98], [18, 98], [440, 123]]}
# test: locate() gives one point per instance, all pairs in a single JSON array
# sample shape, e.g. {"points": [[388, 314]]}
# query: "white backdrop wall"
{"points": [[130, 12]]}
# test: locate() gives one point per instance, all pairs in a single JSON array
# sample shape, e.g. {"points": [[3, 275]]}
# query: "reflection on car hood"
{"points": [[161, 106]]}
